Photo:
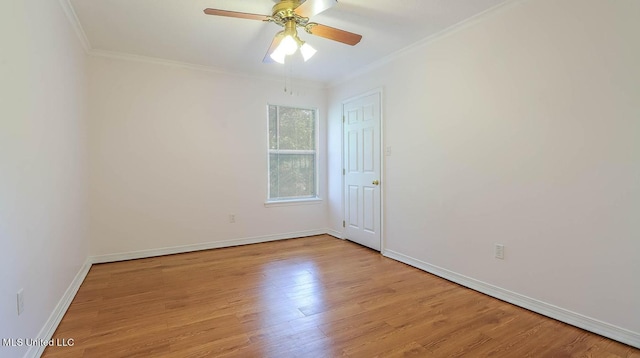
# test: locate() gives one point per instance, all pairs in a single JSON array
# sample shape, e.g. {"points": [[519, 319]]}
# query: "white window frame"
{"points": [[299, 200]]}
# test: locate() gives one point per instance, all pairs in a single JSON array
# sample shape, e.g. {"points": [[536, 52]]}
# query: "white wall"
{"points": [[43, 240], [522, 129], [174, 151]]}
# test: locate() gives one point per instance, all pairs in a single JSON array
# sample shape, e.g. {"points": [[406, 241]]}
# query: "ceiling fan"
{"points": [[292, 14]]}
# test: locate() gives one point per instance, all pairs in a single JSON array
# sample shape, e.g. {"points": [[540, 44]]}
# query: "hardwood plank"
{"points": [[308, 297]]}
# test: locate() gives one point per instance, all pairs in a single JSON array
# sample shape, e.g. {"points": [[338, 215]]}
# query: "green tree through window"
{"points": [[292, 153]]}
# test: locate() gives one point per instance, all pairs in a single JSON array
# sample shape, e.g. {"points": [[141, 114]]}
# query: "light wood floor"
{"points": [[309, 297]]}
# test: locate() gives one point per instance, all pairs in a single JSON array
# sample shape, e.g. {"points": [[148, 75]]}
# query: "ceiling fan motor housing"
{"points": [[283, 12]]}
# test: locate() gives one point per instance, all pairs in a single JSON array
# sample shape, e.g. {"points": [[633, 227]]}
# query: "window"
{"points": [[292, 153]]}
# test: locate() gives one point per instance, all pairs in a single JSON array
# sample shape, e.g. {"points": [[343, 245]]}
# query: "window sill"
{"points": [[310, 201]]}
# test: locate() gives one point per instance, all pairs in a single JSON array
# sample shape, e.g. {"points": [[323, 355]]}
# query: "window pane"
{"points": [[297, 128], [292, 153], [292, 175]]}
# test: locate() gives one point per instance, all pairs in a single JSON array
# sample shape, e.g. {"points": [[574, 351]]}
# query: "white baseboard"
{"points": [[543, 308], [52, 323], [334, 233], [198, 247]]}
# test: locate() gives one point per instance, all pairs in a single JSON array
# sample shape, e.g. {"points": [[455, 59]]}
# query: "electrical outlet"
{"points": [[20, 299], [499, 251], [232, 218]]}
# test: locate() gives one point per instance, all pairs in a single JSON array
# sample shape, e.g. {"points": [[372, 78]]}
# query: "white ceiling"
{"points": [[179, 31]]}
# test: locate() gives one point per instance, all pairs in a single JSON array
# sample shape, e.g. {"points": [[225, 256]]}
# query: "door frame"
{"points": [[380, 93]]}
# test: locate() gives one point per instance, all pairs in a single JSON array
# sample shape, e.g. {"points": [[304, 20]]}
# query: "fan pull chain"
{"points": [[284, 68], [288, 77], [291, 78]]}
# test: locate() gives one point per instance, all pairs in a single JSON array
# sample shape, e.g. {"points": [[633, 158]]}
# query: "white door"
{"points": [[361, 131]]}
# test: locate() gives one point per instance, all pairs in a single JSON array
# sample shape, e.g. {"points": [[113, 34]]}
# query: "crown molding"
{"points": [[75, 24], [191, 66], [480, 17]]}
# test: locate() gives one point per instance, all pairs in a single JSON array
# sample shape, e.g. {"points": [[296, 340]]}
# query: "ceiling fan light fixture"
{"points": [[288, 46], [278, 56], [307, 51]]}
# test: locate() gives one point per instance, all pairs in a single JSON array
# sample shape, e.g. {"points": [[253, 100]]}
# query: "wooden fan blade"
{"points": [[274, 45], [241, 15], [334, 34], [314, 7]]}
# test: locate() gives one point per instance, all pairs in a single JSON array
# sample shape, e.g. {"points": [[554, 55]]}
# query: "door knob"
{"points": [[375, 182]]}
